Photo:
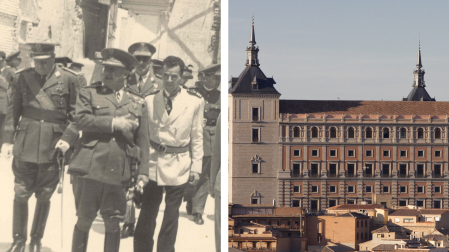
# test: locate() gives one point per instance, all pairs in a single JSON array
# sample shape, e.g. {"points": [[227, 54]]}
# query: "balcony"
{"points": [[296, 174], [332, 175], [350, 175], [402, 175], [368, 175], [385, 175], [314, 175], [255, 118], [437, 176], [418, 175]]}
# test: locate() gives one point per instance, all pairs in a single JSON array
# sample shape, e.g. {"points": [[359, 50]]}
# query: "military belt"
{"points": [[169, 149], [211, 122], [52, 116]]}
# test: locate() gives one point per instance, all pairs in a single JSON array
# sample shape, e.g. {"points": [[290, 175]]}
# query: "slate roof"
{"points": [[415, 212], [363, 107], [242, 84], [384, 229], [418, 94]]}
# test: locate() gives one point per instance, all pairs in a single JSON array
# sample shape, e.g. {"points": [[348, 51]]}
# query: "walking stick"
{"points": [[60, 160]]}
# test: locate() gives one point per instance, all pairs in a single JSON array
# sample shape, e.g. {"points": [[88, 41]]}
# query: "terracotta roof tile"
{"points": [[415, 212], [354, 207]]}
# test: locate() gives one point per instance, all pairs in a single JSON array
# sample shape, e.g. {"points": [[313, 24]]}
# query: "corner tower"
{"points": [[253, 133], [419, 92]]}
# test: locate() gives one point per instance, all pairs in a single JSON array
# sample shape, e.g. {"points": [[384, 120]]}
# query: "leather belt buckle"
{"points": [[162, 148]]}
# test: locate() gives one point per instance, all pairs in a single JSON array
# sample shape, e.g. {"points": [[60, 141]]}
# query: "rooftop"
{"points": [[384, 229], [416, 212], [354, 207]]}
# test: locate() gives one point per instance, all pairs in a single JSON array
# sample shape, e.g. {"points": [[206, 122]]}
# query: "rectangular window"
{"points": [[403, 153], [420, 171], [351, 189], [369, 153], [403, 189], [420, 153], [386, 153], [314, 206], [420, 203], [351, 170], [437, 189], [437, 204], [314, 173], [255, 114], [368, 189], [333, 189], [332, 202], [386, 170], [254, 201], [402, 202], [296, 153], [255, 135], [437, 171], [295, 203], [402, 170], [296, 170], [437, 153], [332, 170], [296, 189], [368, 201], [314, 189], [351, 153], [420, 189], [350, 202], [255, 167], [396, 220], [385, 189], [368, 170], [407, 220], [333, 153], [315, 153]]}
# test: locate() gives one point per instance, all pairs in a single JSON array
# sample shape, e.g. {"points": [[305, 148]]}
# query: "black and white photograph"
{"points": [[110, 125]]}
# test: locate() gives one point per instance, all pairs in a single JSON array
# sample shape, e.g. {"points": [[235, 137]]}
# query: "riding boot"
{"points": [[79, 242], [38, 228], [112, 241], [19, 226]]}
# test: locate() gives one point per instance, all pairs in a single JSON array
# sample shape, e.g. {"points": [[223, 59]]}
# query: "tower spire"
{"points": [[252, 50], [419, 64]]}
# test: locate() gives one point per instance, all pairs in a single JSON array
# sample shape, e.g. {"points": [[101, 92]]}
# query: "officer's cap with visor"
{"points": [[12, 56], [142, 49], [214, 69], [42, 50], [118, 58]]}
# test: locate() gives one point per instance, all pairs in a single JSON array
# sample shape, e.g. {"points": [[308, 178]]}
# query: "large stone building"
{"points": [[319, 154]]}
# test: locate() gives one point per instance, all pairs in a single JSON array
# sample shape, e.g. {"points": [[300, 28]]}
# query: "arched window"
{"points": [[333, 133], [386, 133], [437, 133], [420, 133], [314, 132], [296, 132], [369, 133], [403, 133], [351, 132]]}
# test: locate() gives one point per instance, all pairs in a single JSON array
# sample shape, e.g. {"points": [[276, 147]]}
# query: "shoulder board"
{"points": [[70, 70], [135, 97], [192, 91], [95, 84], [23, 70]]}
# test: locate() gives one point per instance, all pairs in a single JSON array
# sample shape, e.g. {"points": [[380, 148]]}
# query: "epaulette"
{"points": [[23, 70], [192, 91], [70, 70]]}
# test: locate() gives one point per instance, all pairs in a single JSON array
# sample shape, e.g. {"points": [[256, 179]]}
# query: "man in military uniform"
{"points": [[144, 81], [3, 94], [13, 61], [114, 123], [209, 80], [176, 153], [40, 120], [78, 67]]}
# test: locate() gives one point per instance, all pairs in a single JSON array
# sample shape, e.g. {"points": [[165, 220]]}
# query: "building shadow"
{"points": [[6, 246]]}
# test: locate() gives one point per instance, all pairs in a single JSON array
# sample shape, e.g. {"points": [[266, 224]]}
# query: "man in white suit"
{"points": [[176, 153]]}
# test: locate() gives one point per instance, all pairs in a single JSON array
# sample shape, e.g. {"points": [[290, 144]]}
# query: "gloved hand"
{"points": [[194, 178], [62, 145], [124, 123], [142, 180], [7, 150]]}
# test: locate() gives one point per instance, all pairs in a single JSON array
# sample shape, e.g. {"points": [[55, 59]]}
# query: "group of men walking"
{"points": [[135, 132]]}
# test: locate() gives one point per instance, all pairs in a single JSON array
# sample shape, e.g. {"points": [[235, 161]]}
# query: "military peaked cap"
{"points": [[77, 64], [214, 69], [142, 49], [118, 58], [63, 60], [2, 54], [12, 55], [42, 50]]}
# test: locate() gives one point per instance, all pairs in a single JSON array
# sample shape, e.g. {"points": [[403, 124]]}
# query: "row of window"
{"points": [[386, 133], [368, 189], [368, 170], [369, 153]]}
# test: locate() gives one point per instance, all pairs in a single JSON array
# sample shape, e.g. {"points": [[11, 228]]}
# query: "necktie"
{"points": [[140, 83], [169, 105], [118, 96]]}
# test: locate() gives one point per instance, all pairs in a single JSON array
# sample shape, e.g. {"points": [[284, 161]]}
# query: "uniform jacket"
{"points": [[184, 126], [211, 111], [35, 139], [3, 95], [151, 85], [103, 154], [10, 74]]}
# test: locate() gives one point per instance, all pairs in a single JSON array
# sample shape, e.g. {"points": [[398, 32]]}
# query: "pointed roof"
{"points": [[418, 93], [252, 41], [419, 64]]}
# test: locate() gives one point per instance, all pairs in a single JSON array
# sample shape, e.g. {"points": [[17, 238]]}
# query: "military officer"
{"points": [[114, 123], [176, 152], [78, 67], [63, 60], [13, 61], [207, 87], [144, 81], [40, 120]]}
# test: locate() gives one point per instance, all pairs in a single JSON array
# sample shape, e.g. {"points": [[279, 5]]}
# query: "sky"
{"points": [[347, 50]]}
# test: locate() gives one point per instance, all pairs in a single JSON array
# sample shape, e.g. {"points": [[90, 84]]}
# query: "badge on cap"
{"points": [[38, 48], [57, 73]]}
